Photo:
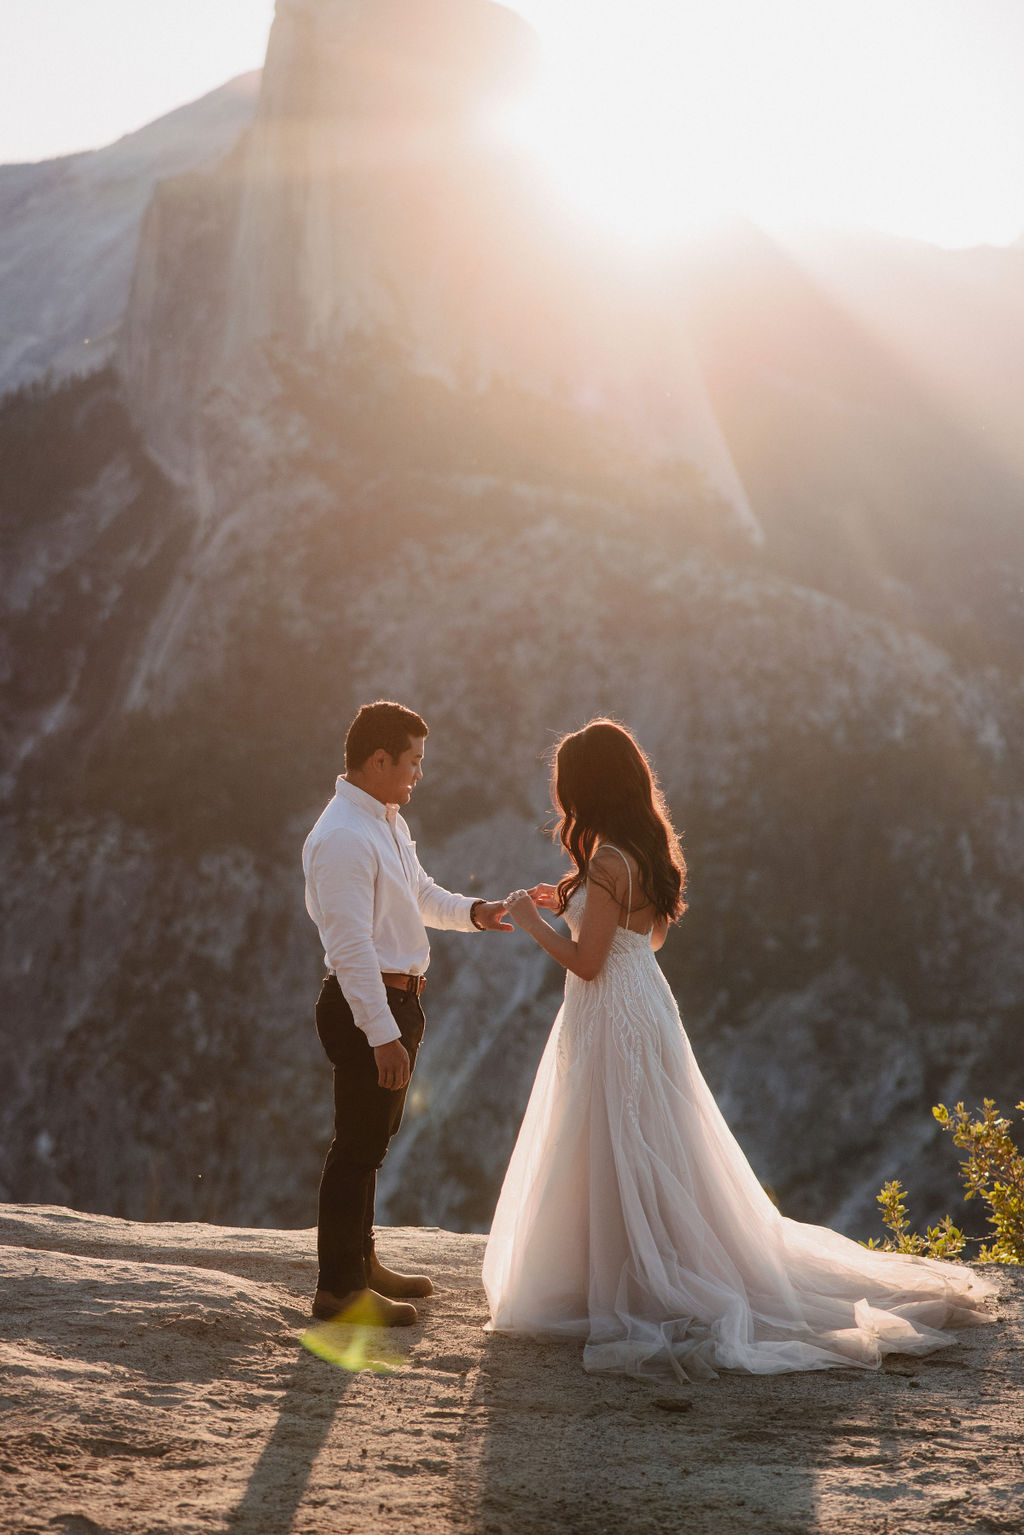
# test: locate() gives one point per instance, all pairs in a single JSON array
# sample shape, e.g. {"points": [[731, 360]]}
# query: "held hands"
{"points": [[520, 907], [491, 914]]}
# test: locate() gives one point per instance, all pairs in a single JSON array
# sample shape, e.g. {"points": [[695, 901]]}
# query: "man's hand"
{"points": [[392, 1064], [491, 914]]}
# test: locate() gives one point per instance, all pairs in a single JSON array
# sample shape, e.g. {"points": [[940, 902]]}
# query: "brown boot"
{"points": [[364, 1308], [387, 1282]]}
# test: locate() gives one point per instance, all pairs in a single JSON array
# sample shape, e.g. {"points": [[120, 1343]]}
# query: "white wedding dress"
{"points": [[630, 1219]]}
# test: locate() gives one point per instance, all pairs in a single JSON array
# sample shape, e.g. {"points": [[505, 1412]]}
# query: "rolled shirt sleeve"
{"points": [[340, 883], [440, 908]]}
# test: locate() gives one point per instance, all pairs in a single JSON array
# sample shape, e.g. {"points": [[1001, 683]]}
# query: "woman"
{"points": [[629, 1217]]}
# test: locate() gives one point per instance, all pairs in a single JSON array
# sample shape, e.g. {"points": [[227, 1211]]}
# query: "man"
{"points": [[371, 902]]}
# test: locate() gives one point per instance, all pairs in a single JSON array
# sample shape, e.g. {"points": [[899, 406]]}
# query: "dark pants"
{"points": [[366, 1116]]}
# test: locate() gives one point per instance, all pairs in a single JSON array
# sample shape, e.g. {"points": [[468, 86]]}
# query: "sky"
{"points": [[653, 116]]}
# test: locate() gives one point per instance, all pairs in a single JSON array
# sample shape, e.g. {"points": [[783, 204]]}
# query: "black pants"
{"points": [[366, 1116]]}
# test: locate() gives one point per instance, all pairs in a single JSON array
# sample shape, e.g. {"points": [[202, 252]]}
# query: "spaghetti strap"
{"points": [[629, 876]]}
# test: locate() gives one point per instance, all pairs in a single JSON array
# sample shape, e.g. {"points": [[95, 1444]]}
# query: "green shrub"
{"points": [[992, 1169]]}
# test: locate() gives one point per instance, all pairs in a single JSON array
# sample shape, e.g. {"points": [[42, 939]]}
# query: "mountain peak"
{"points": [[367, 211], [407, 58]]}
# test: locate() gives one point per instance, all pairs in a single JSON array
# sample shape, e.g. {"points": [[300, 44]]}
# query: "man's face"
{"points": [[397, 780]]}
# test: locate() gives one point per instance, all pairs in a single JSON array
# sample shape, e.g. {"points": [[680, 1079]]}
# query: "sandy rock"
{"points": [[155, 1381]]}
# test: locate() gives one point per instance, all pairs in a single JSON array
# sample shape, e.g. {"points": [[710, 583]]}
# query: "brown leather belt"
{"points": [[399, 982]]}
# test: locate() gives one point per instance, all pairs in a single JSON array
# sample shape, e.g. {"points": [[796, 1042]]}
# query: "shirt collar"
{"points": [[363, 801]]}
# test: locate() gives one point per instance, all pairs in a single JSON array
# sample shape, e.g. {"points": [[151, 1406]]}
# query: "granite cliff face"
{"points": [[69, 231], [368, 212], [376, 429]]}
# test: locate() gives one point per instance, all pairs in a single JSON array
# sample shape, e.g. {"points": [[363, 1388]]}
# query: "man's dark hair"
{"points": [[381, 724]]}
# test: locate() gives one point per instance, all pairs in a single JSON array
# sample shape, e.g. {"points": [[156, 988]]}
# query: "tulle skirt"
{"points": [[629, 1217]]}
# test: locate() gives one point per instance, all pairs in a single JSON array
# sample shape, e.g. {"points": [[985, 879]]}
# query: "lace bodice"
{"points": [[625, 942]]}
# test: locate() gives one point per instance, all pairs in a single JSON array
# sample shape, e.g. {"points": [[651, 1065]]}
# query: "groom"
{"points": [[372, 902]]}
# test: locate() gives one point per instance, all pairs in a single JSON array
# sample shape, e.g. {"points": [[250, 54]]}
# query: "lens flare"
{"points": [[350, 1347]]}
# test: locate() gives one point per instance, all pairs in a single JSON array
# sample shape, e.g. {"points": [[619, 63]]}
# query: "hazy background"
{"points": [[322, 387]]}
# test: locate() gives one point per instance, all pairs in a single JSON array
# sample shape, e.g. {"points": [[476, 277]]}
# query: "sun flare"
{"points": [[658, 120]]}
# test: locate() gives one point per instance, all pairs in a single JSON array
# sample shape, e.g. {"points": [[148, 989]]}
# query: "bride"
{"points": [[629, 1217]]}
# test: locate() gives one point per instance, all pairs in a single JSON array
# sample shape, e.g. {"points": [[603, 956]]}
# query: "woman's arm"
{"points": [[586, 955]]}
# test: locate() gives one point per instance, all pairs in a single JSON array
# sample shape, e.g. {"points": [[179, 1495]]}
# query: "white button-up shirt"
{"points": [[372, 902]]}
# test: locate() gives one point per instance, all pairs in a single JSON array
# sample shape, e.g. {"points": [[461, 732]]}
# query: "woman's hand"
{"points": [[584, 955], [519, 906], [544, 895]]}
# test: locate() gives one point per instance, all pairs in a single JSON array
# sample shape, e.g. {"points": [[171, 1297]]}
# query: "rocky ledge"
{"points": [[155, 1381]]}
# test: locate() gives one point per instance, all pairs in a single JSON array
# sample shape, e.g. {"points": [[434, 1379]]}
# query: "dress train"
{"points": [[630, 1218]]}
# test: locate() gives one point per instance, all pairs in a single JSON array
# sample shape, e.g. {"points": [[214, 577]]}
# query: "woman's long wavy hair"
{"points": [[606, 791]]}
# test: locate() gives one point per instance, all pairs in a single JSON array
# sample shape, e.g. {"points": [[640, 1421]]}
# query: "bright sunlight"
{"points": [[660, 117]]}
